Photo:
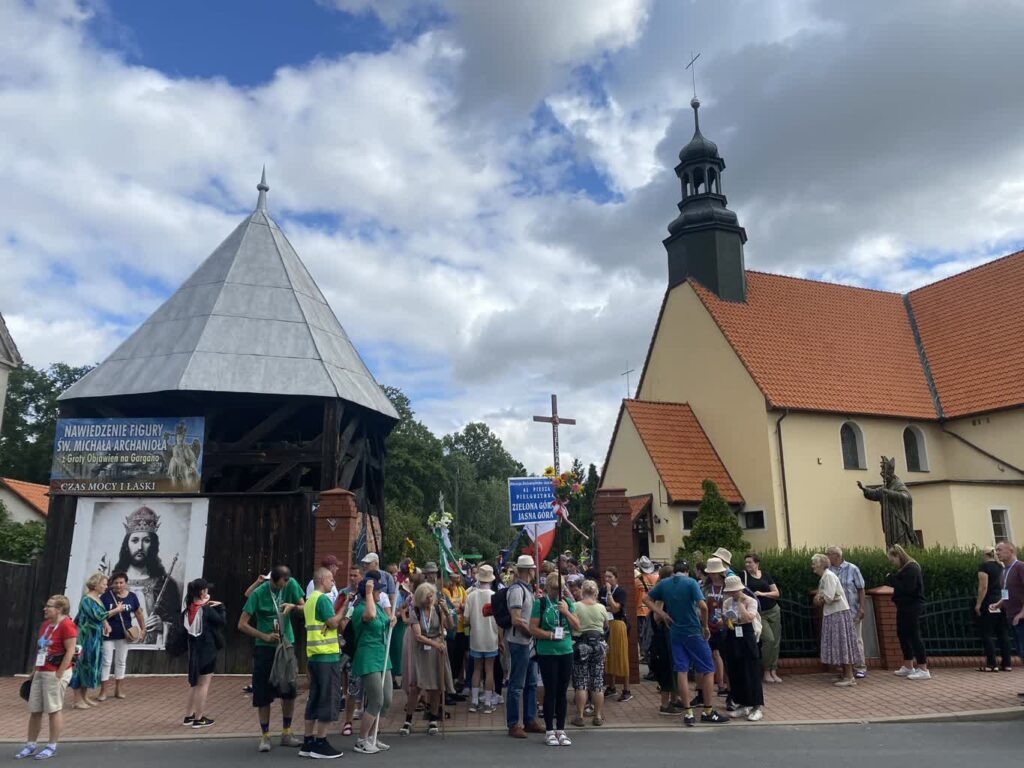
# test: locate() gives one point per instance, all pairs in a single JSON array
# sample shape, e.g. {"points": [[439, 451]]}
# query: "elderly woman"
{"points": [[907, 584], [838, 636], [551, 624], [743, 625], [92, 626], [992, 625], [371, 625], [55, 650], [589, 653], [433, 673]]}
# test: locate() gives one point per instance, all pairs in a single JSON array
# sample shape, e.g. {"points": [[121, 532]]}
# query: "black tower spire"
{"points": [[706, 240]]}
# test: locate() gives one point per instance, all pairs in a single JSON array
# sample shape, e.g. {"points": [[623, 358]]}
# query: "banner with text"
{"points": [[530, 500], [134, 456]]}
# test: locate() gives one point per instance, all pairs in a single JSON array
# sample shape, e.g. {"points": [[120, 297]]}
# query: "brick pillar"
{"points": [[336, 531], [616, 542], [885, 623]]}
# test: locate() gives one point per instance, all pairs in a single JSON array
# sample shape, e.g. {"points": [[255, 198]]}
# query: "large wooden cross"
{"points": [[554, 420]]}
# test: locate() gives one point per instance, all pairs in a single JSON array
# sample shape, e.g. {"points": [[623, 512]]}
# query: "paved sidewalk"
{"points": [[154, 705]]}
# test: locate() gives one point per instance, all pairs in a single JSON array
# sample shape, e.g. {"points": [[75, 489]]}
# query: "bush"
{"points": [[20, 542], [946, 571], [716, 526]]}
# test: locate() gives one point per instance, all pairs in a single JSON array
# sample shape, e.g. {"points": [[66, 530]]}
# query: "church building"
{"points": [[786, 392]]}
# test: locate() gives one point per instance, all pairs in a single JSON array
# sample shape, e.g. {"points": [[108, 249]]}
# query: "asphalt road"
{"points": [[931, 744]]}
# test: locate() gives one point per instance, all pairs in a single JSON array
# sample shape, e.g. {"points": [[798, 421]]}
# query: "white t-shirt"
{"points": [[483, 630], [333, 593]]}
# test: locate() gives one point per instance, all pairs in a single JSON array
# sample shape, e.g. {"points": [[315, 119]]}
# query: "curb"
{"points": [[967, 716]]}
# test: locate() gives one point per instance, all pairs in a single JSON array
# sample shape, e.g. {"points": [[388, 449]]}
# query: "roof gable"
{"points": [[250, 319], [824, 347], [33, 494], [680, 450], [972, 327]]}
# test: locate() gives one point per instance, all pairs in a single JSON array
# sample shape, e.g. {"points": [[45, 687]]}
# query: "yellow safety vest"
{"points": [[320, 639]]}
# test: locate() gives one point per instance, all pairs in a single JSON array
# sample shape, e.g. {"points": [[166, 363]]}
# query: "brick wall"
{"points": [[616, 548], [337, 528]]}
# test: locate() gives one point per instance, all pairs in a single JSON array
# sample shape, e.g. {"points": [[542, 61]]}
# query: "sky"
{"points": [[480, 189]]}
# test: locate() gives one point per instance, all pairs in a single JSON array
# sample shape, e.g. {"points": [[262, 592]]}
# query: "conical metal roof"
{"points": [[250, 319]]}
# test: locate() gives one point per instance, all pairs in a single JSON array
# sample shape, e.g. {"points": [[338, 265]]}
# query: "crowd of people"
{"points": [[519, 638]]}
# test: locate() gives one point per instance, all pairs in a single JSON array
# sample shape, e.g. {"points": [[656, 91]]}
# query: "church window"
{"points": [[914, 448], [852, 440]]}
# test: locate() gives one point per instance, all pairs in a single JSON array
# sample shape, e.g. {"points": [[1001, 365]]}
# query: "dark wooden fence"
{"points": [[246, 535]]}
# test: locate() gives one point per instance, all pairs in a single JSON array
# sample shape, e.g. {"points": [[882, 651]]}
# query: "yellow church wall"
{"points": [[1000, 434], [630, 467], [723, 396], [973, 505]]}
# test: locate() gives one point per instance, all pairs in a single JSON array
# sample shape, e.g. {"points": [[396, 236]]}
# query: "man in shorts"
{"points": [[323, 663], [686, 614], [279, 595]]}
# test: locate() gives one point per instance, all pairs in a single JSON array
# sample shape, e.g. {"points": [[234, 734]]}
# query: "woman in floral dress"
{"points": [[92, 625]]}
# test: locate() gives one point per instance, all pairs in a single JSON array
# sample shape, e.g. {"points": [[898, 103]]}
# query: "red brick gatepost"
{"points": [[615, 542], [336, 531], [885, 622]]}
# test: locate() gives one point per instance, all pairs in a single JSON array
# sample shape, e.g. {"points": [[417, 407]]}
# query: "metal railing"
{"points": [[948, 628], [799, 631]]}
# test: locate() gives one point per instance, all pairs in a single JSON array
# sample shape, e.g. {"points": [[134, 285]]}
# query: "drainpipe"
{"points": [[782, 472]]}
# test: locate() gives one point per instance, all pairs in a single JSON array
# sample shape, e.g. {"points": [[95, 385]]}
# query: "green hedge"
{"points": [[946, 572]]}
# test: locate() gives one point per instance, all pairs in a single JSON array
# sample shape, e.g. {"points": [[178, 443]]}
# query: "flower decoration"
{"points": [[440, 519], [567, 486]]}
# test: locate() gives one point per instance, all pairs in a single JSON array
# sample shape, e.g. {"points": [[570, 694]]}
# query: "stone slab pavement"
{"points": [[154, 706]]}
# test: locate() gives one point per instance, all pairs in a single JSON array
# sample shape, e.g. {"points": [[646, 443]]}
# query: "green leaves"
{"points": [[716, 526], [20, 542]]}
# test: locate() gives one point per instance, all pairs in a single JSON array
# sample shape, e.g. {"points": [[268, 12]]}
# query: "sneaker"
{"points": [[845, 683], [610, 690], [264, 743], [668, 711], [366, 747], [382, 746], [860, 674], [689, 720], [474, 707], [551, 739], [45, 753], [678, 706], [626, 696], [903, 672], [26, 751], [406, 728], [432, 728], [188, 720], [712, 717], [202, 722], [307, 745], [755, 715], [563, 739], [740, 712], [321, 749], [697, 700], [488, 709], [920, 674], [290, 740]]}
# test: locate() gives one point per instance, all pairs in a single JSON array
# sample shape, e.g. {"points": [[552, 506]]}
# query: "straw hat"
{"points": [[430, 567], [525, 561], [733, 584], [724, 555], [485, 574], [715, 565], [645, 565]]}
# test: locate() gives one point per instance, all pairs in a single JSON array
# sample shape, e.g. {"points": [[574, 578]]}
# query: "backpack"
{"points": [[499, 607], [348, 637]]}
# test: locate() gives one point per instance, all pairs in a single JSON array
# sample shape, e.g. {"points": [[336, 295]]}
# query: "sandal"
{"points": [[406, 728], [988, 669], [432, 728], [598, 721], [346, 729]]}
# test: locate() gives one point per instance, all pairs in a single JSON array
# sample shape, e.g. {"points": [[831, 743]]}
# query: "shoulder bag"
{"points": [[133, 633]]}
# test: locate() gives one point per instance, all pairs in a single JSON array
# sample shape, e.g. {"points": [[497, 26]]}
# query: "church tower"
{"points": [[706, 240]]}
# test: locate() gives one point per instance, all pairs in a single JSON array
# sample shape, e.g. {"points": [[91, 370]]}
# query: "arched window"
{"points": [[914, 449], [852, 440]]}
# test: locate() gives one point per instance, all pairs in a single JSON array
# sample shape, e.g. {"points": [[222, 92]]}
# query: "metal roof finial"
{"points": [[263, 187]]}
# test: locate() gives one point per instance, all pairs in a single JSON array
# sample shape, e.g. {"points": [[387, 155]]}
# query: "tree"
{"points": [[485, 451], [30, 419], [716, 525], [414, 471], [20, 542]]}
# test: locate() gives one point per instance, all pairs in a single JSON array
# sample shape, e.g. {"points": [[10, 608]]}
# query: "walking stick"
{"points": [[444, 690]]}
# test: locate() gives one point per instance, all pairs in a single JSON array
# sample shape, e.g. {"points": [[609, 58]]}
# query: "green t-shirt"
{"points": [[550, 619], [262, 605], [371, 641], [324, 611]]}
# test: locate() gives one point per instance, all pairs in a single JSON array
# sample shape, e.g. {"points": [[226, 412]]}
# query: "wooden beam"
{"points": [[331, 435], [269, 479], [273, 420], [348, 472]]}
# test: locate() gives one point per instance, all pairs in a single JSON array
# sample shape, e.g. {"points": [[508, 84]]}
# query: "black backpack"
{"points": [[350, 641], [499, 607]]}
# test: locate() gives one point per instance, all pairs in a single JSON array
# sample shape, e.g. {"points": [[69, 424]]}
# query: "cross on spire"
{"points": [[693, 71], [554, 420]]}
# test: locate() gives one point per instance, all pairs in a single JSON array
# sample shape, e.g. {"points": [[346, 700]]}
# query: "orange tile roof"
{"points": [[637, 505], [819, 346], [972, 327], [681, 451], [31, 493]]}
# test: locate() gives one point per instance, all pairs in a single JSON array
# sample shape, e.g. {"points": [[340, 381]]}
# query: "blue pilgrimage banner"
{"points": [[162, 454], [531, 500]]}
